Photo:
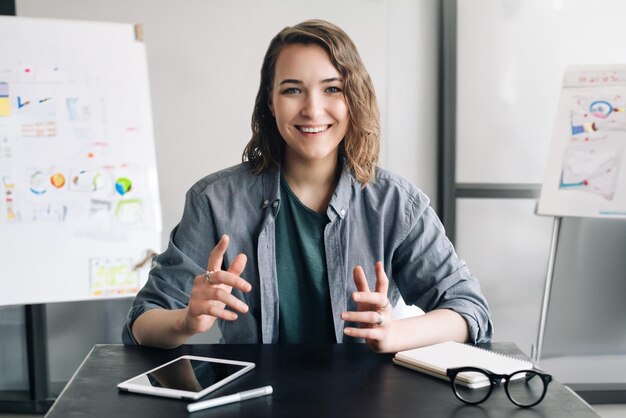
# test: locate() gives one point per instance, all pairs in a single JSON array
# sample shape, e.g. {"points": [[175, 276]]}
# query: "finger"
{"points": [[226, 278], [365, 317], [223, 296], [211, 300], [216, 257], [366, 333], [382, 285], [360, 280], [200, 304], [238, 265], [382, 281], [222, 313], [378, 300]]}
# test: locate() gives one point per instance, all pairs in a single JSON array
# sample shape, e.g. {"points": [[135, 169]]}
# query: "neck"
{"points": [[312, 181]]}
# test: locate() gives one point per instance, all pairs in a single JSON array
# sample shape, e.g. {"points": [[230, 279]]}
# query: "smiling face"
{"points": [[308, 103]]}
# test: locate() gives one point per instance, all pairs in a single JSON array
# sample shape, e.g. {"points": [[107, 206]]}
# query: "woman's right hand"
{"points": [[209, 299]]}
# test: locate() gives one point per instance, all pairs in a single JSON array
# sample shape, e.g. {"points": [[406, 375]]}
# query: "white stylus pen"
{"points": [[237, 397]]}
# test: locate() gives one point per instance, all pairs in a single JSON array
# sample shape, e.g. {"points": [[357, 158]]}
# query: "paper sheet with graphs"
{"points": [[586, 173], [79, 203]]}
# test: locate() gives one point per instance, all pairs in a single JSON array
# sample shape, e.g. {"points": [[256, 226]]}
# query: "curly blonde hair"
{"points": [[361, 145]]}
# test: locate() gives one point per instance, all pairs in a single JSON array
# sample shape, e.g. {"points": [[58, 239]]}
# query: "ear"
{"points": [[270, 104]]}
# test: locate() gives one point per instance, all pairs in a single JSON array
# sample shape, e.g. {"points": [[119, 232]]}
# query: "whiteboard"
{"points": [[79, 201], [586, 173], [511, 59]]}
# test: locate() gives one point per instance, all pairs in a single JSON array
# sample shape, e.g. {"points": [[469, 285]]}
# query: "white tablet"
{"points": [[187, 377]]}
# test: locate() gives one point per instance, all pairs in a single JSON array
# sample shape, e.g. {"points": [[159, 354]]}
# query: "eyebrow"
{"points": [[294, 81]]}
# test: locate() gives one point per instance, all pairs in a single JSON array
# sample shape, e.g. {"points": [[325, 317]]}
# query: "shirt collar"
{"points": [[271, 188], [339, 202]]}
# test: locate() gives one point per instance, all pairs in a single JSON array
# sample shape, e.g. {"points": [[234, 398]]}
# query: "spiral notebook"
{"points": [[435, 359]]}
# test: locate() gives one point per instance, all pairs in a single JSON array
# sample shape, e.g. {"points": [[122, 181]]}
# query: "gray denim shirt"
{"points": [[388, 220]]}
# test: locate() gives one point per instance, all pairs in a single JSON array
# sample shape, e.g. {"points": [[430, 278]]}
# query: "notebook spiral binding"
{"points": [[500, 354]]}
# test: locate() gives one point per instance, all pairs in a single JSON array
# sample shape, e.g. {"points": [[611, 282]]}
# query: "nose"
{"points": [[313, 106]]}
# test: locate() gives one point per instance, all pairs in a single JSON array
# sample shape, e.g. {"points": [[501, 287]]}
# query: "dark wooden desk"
{"points": [[343, 380]]}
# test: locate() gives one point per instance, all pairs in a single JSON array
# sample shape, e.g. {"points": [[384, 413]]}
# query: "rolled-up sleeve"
{"points": [[430, 275], [171, 279]]}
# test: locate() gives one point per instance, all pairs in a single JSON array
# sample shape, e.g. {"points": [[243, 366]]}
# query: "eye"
{"points": [[291, 90], [333, 89]]}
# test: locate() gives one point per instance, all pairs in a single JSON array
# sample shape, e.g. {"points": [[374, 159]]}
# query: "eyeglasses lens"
{"points": [[526, 388], [475, 394]]}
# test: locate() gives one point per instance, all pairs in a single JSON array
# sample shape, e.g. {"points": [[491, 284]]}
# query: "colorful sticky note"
{"points": [[5, 106]]}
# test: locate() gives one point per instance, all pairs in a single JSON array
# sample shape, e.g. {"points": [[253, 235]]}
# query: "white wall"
{"points": [[411, 108], [204, 58]]}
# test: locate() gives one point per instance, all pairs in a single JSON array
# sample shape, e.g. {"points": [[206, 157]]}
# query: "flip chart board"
{"points": [[586, 173], [79, 202]]}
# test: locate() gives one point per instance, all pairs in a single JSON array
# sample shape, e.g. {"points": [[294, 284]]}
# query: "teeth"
{"points": [[314, 129]]}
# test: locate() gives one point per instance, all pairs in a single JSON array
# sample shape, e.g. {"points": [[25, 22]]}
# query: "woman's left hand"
{"points": [[374, 311]]}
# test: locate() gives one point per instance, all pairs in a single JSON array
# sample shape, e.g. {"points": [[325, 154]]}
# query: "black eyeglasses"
{"points": [[524, 388]]}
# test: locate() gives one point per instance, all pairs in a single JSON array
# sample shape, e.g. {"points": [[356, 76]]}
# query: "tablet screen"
{"points": [[187, 377], [191, 375]]}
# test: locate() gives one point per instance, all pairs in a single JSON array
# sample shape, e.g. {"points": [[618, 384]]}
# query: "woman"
{"points": [[287, 231]]}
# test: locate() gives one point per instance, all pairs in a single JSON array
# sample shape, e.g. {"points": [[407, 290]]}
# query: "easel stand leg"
{"points": [[36, 399], [548, 287], [37, 346]]}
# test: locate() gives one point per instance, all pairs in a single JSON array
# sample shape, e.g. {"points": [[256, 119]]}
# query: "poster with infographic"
{"points": [[586, 173], [79, 203]]}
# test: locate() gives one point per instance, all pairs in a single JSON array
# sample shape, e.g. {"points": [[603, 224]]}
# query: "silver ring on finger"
{"points": [[381, 318], [207, 277], [382, 308]]}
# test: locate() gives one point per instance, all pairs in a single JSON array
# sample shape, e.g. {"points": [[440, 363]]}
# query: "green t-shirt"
{"points": [[305, 314]]}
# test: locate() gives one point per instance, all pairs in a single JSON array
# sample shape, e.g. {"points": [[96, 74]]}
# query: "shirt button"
{"points": [[266, 202], [275, 204], [342, 211]]}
